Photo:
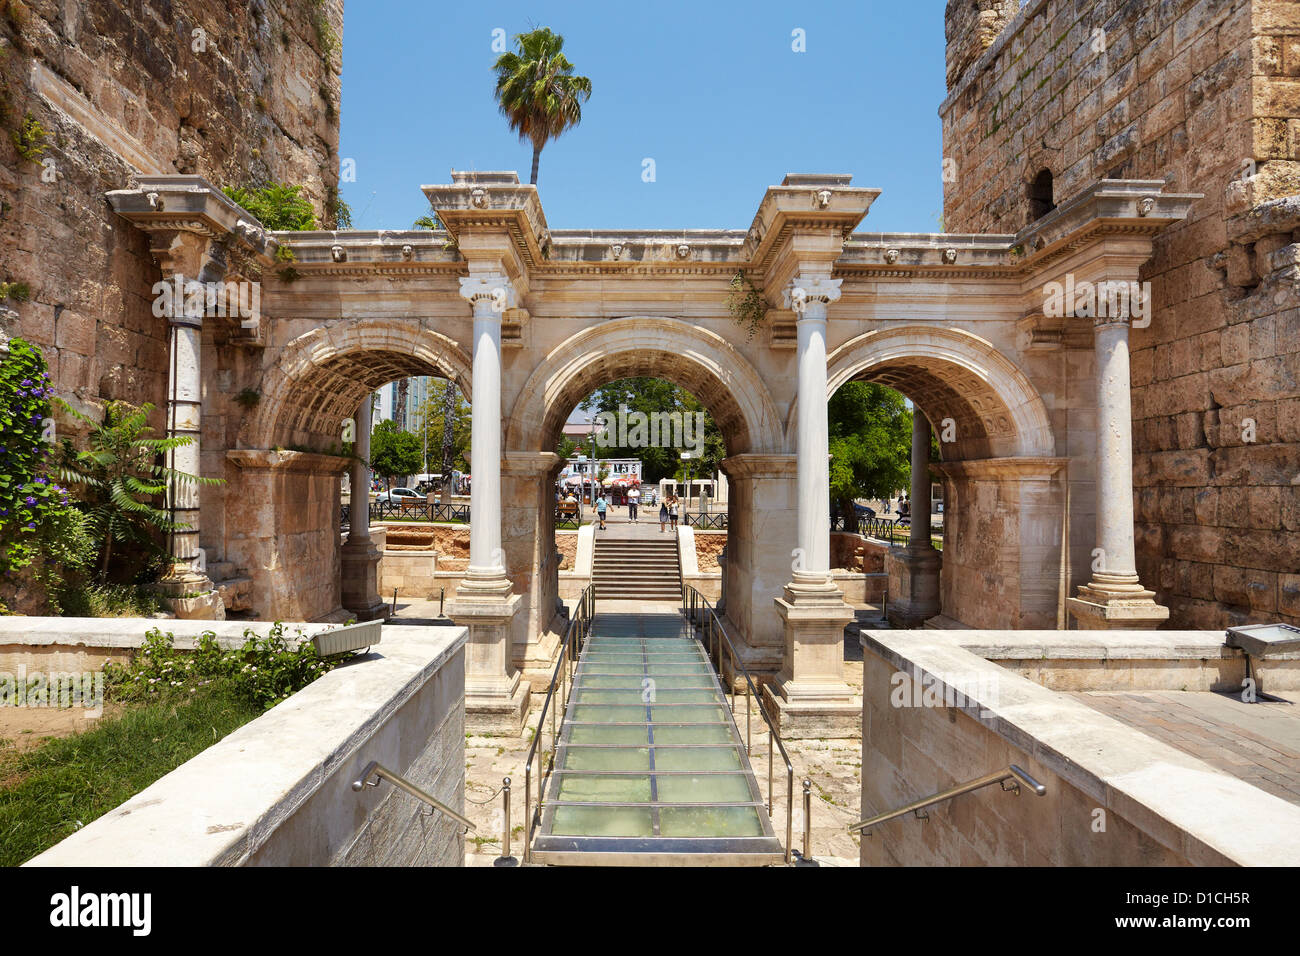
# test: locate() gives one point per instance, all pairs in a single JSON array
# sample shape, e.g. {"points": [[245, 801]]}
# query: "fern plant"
{"points": [[123, 479], [29, 138]]}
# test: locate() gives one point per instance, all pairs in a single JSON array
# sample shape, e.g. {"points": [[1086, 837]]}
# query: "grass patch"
{"points": [[48, 793]]}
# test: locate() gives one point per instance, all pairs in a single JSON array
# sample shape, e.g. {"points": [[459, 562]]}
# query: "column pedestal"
{"points": [[810, 697], [1117, 606], [496, 700], [913, 586], [360, 571]]}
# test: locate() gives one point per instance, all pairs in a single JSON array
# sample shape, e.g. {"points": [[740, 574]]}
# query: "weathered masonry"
{"points": [[1048, 96], [528, 321]]}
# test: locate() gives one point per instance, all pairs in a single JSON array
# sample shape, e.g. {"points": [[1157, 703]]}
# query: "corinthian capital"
{"points": [[489, 290], [806, 290]]}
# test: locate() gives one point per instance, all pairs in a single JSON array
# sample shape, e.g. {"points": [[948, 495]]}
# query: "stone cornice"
{"points": [[251, 459], [759, 466], [191, 204], [493, 201], [985, 469]]}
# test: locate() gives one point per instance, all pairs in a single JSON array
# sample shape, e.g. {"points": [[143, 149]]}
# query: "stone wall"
{"points": [[233, 92], [249, 800], [1205, 96], [938, 712]]}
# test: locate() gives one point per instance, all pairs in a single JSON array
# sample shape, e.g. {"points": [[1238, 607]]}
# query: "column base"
{"points": [[360, 581], [496, 701], [810, 697], [913, 585], [1116, 608], [191, 596]]}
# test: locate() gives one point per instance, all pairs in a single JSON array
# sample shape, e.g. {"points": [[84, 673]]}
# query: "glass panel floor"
{"points": [[650, 766]]}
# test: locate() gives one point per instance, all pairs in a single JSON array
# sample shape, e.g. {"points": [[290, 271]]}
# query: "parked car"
{"points": [[864, 513], [397, 496]]}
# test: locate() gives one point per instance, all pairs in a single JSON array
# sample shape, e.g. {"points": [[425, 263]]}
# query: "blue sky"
{"points": [[710, 90]]}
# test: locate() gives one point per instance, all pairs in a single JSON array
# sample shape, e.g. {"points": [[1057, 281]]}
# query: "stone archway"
{"points": [[321, 376], [717, 374], [695, 358], [278, 514], [951, 373], [1003, 487]]}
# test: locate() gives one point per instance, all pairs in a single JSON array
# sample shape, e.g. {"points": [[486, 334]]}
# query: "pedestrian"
{"points": [[633, 499], [601, 505], [672, 510], [663, 514]]}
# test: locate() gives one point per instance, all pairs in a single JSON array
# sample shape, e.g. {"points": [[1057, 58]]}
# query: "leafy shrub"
{"points": [[264, 671], [277, 206], [40, 531]]}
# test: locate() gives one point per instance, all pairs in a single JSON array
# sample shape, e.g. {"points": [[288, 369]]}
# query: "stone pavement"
{"points": [[1257, 743]]}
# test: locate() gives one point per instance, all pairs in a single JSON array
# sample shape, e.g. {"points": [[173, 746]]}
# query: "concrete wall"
{"points": [[277, 792], [1161, 807], [1205, 96]]}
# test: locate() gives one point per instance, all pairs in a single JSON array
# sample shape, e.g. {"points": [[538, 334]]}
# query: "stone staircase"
{"points": [[631, 569]]}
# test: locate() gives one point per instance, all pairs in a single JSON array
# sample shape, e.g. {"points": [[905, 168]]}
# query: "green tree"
{"points": [[537, 90], [870, 430], [650, 396], [566, 447], [394, 452], [446, 417], [124, 480]]}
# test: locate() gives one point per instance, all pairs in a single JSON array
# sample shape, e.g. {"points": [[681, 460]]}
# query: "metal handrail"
{"points": [[1012, 773], [376, 771], [574, 636], [692, 602]]}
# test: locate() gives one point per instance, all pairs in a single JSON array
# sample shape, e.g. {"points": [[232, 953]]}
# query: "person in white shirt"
{"points": [[633, 500]]}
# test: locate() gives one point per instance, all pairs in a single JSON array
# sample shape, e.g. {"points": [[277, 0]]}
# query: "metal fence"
{"points": [[714, 522]]}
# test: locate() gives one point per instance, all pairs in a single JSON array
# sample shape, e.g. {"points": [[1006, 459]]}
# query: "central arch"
{"points": [[698, 360]]}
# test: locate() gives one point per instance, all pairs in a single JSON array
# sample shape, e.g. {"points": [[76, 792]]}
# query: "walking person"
{"points": [[663, 514], [601, 505], [633, 500], [672, 510]]}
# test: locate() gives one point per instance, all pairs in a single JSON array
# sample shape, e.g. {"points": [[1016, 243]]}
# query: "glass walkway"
{"points": [[650, 767]]}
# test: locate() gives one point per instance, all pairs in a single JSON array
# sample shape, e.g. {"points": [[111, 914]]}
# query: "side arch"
{"points": [[685, 354], [320, 377], [950, 373]]}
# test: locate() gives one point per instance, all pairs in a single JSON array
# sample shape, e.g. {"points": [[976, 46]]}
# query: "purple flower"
{"points": [[25, 382], [42, 481], [31, 526], [30, 500]]}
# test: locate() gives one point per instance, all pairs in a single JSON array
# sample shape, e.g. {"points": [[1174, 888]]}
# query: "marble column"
{"points": [[495, 700], [1114, 598], [918, 536], [914, 569], [186, 584], [812, 697], [360, 558]]}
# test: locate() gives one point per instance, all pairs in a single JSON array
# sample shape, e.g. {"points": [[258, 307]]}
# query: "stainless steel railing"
{"points": [[700, 613], [1012, 773], [370, 777], [562, 680]]}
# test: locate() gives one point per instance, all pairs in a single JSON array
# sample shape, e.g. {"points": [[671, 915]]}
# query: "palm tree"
{"points": [[537, 91], [448, 423]]}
